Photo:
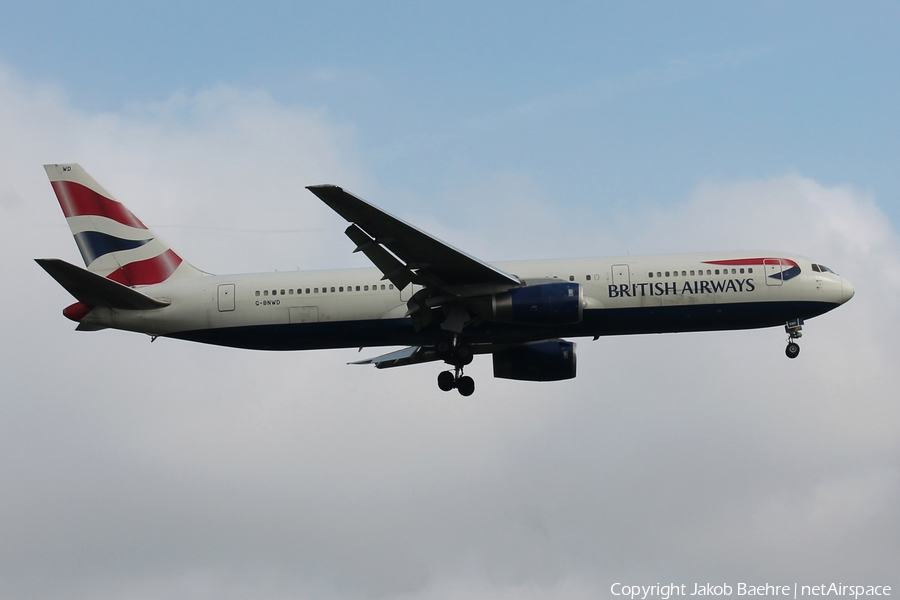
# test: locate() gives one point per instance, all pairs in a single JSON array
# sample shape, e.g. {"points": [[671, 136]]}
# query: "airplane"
{"points": [[439, 302]]}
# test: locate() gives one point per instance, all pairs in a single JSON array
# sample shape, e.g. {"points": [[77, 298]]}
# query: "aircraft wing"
{"points": [[407, 254]]}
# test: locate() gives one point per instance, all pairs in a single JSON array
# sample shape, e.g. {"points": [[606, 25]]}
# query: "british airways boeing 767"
{"points": [[440, 302]]}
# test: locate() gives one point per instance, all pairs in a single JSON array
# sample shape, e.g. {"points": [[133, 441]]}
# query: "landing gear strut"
{"points": [[792, 328], [458, 355]]}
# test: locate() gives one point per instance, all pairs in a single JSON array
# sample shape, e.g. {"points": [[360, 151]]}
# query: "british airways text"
{"points": [[670, 288]]}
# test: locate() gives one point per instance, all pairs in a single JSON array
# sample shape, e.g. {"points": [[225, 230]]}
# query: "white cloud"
{"points": [[176, 469]]}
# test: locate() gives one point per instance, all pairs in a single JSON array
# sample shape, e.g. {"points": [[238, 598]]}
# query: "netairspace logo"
{"points": [[666, 591]]}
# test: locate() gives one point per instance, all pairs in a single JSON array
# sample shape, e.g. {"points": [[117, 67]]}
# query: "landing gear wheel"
{"points": [[443, 348], [465, 385], [446, 381], [792, 328], [463, 354], [792, 350]]}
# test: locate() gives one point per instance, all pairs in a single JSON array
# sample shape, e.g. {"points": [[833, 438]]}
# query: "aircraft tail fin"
{"points": [[113, 242]]}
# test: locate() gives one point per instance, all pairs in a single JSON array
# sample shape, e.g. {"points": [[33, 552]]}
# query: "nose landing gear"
{"points": [[792, 328]]}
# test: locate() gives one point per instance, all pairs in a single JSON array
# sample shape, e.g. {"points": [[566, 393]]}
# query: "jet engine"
{"points": [[538, 361], [543, 304]]}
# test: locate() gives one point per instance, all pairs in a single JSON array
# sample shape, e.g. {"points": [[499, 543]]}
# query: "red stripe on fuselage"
{"points": [[77, 200], [147, 272], [749, 261]]}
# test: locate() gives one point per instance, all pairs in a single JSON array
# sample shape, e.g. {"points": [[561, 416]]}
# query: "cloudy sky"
{"points": [[132, 470]]}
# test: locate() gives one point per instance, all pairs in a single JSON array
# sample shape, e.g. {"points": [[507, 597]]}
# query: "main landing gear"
{"points": [[447, 380], [792, 328], [458, 355]]}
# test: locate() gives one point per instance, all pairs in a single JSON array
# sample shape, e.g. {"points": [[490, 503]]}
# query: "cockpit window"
{"points": [[816, 268], [826, 270]]}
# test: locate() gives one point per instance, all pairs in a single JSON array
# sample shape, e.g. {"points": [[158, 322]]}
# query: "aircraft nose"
{"points": [[847, 290]]}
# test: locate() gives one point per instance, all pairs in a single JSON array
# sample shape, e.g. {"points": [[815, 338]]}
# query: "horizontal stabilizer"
{"points": [[96, 290]]}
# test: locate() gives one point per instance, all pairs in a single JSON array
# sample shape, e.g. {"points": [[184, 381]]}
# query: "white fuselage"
{"points": [[355, 307]]}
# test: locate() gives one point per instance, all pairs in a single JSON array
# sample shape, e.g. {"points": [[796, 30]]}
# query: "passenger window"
{"points": [[587, 278], [357, 288], [684, 273], [291, 292], [332, 289], [257, 292], [571, 278], [365, 288], [341, 289], [692, 273], [717, 271], [749, 269], [734, 271], [307, 290], [742, 271], [382, 286], [266, 293], [667, 273], [391, 286], [658, 274], [317, 290], [282, 292], [650, 274]]}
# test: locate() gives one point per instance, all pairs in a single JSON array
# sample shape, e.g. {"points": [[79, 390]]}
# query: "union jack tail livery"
{"points": [[113, 242]]}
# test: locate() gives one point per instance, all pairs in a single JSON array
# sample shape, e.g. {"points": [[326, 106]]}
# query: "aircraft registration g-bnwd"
{"points": [[439, 302]]}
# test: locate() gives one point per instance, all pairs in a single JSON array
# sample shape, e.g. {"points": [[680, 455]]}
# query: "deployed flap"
{"points": [[420, 354], [95, 290], [406, 356], [425, 258]]}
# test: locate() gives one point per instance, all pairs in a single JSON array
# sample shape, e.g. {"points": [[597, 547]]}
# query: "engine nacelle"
{"points": [[542, 304], [538, 361]]}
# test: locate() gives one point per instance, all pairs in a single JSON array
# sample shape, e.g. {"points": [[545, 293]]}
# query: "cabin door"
{"points": [[621, 274], [226, 297], [304, 314], [774, 274]]}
